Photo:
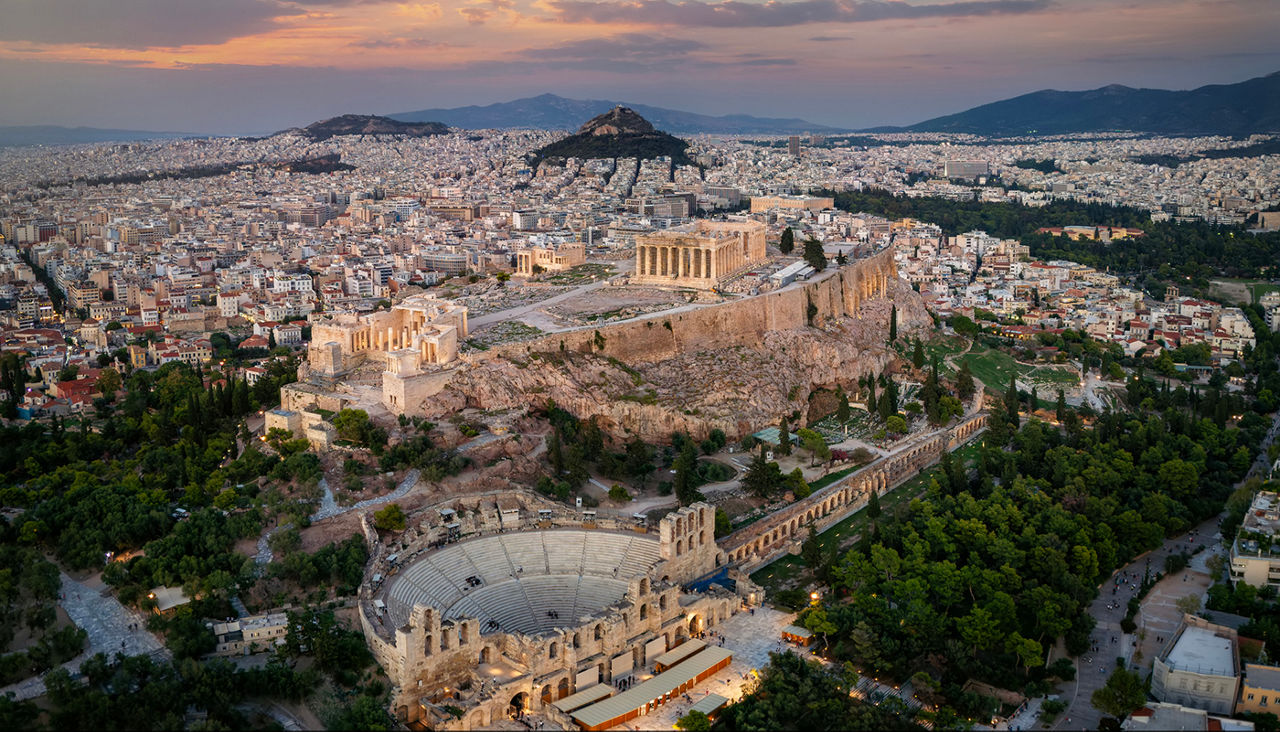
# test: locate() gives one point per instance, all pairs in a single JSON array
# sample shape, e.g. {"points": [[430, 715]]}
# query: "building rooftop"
{"points": [[1265, 677], [1202, 651]]}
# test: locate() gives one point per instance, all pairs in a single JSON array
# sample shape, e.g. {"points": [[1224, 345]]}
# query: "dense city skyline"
{"points": [[253, 66]]}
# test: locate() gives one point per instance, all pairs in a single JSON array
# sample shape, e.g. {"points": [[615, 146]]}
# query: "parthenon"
{"points": [[701, 255]]}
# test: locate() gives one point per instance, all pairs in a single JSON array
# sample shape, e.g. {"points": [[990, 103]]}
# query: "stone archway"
{"points": [[518, 705]]}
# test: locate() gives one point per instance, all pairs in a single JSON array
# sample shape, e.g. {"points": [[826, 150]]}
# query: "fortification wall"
{"points": [[833, 294]]}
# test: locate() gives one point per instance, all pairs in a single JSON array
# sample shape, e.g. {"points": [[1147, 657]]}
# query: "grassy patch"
{"points": [[995, 368]]}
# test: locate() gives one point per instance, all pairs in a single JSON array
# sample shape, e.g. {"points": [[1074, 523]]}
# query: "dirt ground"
{"points": [[23, 638]]}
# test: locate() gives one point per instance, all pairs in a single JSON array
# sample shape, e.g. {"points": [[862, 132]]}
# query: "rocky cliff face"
{"points": [[738, 389]]}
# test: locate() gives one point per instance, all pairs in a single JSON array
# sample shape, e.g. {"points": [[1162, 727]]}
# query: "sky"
{"points": [[256, 66]]}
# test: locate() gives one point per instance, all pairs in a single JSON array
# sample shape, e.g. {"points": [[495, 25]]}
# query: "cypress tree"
{"points": [[917, 355], [788, 241], [784, 438], [893, 324]]}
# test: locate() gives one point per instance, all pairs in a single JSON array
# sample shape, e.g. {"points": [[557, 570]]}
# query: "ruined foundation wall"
{"points": [[833, 294]]}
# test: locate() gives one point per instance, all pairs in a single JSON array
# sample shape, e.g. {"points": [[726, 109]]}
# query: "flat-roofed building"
{"points": [[1255, 553], [791, 203], [1259, 689], [1198, 667], [1170, 717]]}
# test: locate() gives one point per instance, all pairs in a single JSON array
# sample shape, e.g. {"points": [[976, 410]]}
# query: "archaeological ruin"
{"points": [[496, 604], [701, 255]]}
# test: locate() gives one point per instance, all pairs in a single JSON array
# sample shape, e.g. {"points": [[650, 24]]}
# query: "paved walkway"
{"points": [[112, 629], [751, 638], [501, 316], [1108, 642]]}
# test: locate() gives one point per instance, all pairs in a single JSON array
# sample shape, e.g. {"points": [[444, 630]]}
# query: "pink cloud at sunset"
{"points": [[854, 62]]}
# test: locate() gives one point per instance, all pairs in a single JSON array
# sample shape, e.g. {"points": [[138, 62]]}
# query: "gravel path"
{"points": [[329, 506], [112, 629]]}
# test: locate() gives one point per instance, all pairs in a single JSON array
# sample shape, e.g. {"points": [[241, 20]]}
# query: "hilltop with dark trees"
{"points": [[618, 133]]}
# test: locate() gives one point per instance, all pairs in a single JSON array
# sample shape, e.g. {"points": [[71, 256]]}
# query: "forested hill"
{"points": [[618, 133], [1244, 108]]}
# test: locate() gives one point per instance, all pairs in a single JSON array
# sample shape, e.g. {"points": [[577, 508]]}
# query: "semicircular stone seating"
{"points": [[531, 582]]}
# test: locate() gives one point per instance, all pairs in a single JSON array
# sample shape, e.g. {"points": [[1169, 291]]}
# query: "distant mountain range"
{"points": [[55, 135], [1245, 108], [550, 112], [618, 133], [367, 124]]}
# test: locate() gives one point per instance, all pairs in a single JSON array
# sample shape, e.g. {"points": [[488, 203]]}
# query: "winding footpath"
{"points": [[329, 505]]}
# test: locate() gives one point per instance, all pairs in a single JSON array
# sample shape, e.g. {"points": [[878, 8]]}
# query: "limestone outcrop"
{"points": [[737, 388]]}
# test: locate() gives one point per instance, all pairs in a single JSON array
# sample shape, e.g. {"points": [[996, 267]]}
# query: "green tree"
{"points": [[843, 411], [815, 444], [1012, 403], [917, 355], [352, 424], [788, 241], [695, 721], [763, 476], [724, 526], [895, 424], [893, 327], [784, 437], [814, 255], [390, 518], [685, 482], [109, 382], [873, 506], [1122, 694], [965, 387]]}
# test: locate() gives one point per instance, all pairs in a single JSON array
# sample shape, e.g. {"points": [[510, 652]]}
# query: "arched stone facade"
{"points": [[447, 657], [772, 535]]}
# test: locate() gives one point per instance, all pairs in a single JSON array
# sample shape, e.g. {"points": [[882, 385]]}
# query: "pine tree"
{"points": [[784, 438], [893, 324], [917, 356], [788, 241], [814, 255]]}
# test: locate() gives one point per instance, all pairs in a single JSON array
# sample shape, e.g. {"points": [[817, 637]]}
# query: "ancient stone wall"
{"points": [[833, 294], [768, 538]]}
